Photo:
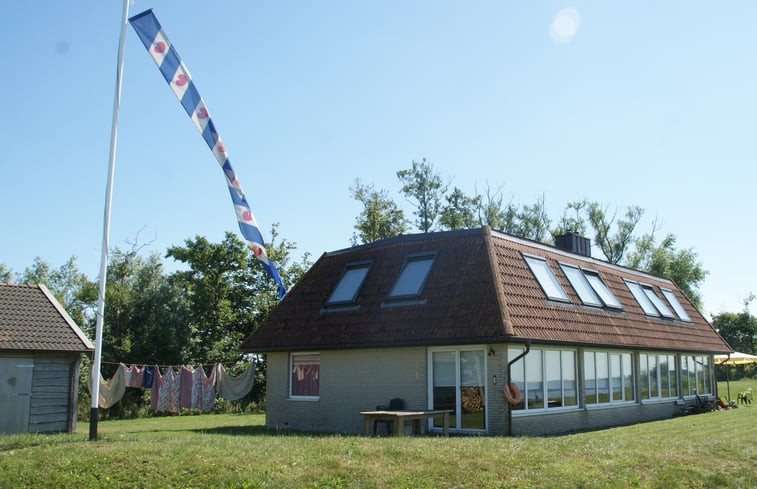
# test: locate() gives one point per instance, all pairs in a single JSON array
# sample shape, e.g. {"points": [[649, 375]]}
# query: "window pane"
{"points": [[552, 366], [534, 382], [472, 393], [644, 374], [658, 304], [413, 277], [616, 378], [570, 397], [444, 384], [673, 376], [627, 377], [517, 374], [306, 374], [653, 381], [601, 289], [546, 278], [590, 376], [677, 307], [701, 388], [581, 286], [642, 299], [347, 288], [603, 377], [662, 363]]}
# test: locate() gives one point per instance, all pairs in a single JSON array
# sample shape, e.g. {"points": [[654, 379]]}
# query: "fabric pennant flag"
{"points": [[176, 74]]}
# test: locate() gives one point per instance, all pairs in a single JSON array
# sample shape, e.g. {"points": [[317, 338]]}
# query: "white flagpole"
{"points": [[95, 373]]}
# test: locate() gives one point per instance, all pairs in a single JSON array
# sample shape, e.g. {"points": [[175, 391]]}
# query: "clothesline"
{"points": [[177, 387], [169, 366]]}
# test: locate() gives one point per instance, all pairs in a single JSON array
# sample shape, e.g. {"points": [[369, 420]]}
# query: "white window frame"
{"points": [[515, 350], [458, 384], [546, 278], [291, 373], [676, 304], [611, 402]]}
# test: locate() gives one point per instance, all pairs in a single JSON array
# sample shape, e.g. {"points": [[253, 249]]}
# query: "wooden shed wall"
{"points": [[54, 393]]}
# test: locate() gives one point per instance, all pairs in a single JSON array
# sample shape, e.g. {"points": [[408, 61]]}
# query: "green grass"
{"points": [[717, 449]]}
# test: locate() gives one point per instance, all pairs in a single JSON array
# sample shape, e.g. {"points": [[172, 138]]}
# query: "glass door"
{"points": [[457, 383]]}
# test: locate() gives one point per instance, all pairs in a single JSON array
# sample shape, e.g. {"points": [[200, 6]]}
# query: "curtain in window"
{"points": [[305, 375]]}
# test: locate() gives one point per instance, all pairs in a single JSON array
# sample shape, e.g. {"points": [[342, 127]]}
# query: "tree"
{"points": [[738, 329], [424, 189], [491, 211], [459, 212], [380, 217], [532, 221], [613, 246], [5, 273], [71, 288], [680, 266], [572, 220]]}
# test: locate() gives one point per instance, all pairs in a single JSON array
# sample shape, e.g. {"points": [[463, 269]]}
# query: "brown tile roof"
{"points": [[31, 319], [479, 290]]}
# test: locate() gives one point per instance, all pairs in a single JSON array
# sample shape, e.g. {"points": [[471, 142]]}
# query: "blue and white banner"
{"points": [[176, 74]]}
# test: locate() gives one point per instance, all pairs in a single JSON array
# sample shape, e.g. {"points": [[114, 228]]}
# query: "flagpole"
{"points": [[95, 373]]}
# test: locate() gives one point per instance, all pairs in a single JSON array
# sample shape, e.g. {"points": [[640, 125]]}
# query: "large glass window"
{"points": [[659, 378], [413, 276], [677, 307], [608, 377], [458, 383], [306, 373], [546, 378], [347, 288], [547, 280], [696, 375]]}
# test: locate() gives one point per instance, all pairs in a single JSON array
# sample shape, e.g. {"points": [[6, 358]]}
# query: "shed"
{"points": [[40, 355]]}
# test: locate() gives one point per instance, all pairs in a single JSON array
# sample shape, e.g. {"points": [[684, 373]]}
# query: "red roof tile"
{"points": [[479, 290]]}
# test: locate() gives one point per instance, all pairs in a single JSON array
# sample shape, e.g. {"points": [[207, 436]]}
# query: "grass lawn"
{"points": [[717, 449]]}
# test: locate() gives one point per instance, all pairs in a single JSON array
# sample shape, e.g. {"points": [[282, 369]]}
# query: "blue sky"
{"points": [[626, 103]]}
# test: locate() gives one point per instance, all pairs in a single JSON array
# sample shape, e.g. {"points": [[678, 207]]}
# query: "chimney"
{"points": [[575, 243]]}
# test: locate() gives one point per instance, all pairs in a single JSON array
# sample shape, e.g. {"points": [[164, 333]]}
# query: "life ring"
{"points": [[512, 394]]}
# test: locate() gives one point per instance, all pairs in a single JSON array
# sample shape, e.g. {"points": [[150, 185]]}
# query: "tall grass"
{"points": [[715, 449]]}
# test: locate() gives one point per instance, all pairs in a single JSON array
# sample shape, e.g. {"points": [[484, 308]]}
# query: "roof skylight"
{"points": [[349, 284], [413, 276], [582, 286], [547, 280], [677, 307], [602, 290], [649, 301]]}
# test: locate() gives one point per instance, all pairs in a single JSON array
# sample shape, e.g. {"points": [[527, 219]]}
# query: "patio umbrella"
{"points": [[735, 358]]}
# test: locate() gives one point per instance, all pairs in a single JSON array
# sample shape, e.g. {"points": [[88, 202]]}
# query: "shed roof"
{"points": [[479, 290], [32, 319]]}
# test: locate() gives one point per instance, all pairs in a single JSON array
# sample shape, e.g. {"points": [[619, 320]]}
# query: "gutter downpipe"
{"points": [[509, 381]]}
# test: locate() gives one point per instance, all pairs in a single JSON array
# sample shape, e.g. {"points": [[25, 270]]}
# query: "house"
{"points": [[40, 352], [515, 336]]}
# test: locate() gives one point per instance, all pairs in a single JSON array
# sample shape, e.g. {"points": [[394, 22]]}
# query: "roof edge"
{"points": [[499, 291], [50, 297]]}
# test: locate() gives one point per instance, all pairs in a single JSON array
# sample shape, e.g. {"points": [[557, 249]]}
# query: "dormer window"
{"points": [[413, 276], [648, 300], [547, 280], [349, 284], [677, 307]]}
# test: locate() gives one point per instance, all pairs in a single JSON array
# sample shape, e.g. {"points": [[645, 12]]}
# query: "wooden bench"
{"points": [[399, 417]]}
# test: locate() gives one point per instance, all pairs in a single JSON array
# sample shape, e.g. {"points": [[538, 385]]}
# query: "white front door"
{"points": [[457, 382], [15, 393]]}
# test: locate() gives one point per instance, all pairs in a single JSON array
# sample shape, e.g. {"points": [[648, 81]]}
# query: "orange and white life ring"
{"points": [[512, 394]]}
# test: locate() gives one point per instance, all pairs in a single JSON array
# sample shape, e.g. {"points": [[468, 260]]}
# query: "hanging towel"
{"points": [[111, 391], [134, 375], [155, 379], [203, 389], [234, 388], [168, 391], [185, 387], [147, 377]]}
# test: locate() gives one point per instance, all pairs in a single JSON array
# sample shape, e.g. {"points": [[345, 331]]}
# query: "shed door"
{"points": [[15, 393]]}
